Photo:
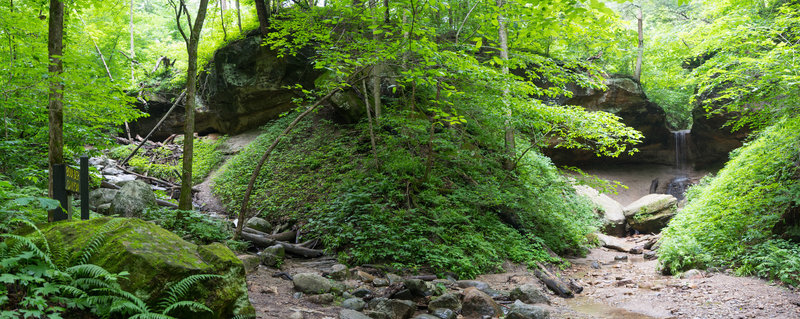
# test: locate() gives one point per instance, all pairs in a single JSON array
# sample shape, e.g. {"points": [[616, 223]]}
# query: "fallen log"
{"points": [[552, 282], [264, 241]]}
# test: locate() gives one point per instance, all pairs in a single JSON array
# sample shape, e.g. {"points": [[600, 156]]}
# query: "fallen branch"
{"points": [[178, 100], [243, 213]]}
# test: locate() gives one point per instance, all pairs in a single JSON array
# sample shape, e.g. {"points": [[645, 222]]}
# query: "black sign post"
{"points": [[84, 177], [66, 180]]}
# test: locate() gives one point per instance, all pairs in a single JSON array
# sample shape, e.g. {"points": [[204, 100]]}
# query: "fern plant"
{"points": [[36, 281]]}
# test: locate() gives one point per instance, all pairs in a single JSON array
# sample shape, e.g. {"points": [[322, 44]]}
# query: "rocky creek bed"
{"points": [[616, 285]]}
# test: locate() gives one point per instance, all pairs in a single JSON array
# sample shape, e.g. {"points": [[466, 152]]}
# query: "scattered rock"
{"points": [[445, 301], [101, 196], [637, 250], [272, 256], [392, 308], [321, 299], [394, 278], [404, 294], [259, 224], [111, 171], [418, 287], [620, 257], [311, 283], [425, 316], [444, 313], [365, 277], [250, 262], [530, 294], [352, 314], [649, 255], [692, 274], [477, 304], [362, 292], [119, 179], [520, 310], [472, 283], [132, 199], [595, 264], [297, 315], [339, 272], [380, 282], [356, 304]]}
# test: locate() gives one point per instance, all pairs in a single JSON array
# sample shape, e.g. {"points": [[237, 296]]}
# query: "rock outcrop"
{"points": [[154, 258], [711, 143], [626, 99], [609, 210], [244, 86]]}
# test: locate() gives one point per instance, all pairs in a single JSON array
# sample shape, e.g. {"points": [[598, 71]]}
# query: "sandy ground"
{"points": [[634, 289], [639, 177]]}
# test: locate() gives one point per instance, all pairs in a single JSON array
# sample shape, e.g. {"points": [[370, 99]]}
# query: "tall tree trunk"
{"points": [[185, 202], [133, 54], [378, 67], [508, 163], [637, 71], [55, 104], [263, 12], [239, 16], [371, 129], [222, 19]]}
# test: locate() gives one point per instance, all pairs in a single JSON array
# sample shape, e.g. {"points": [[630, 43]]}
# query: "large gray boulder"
{"points": [[529, 293], [446, 301], [651, 213], [352, 314], [478, 304], [101, 196], [311, 283], [520, 310], [391, 308], [132, 199], [609, 210]]}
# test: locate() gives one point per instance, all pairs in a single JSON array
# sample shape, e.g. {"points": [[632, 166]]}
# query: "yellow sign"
{"points": [[73, 180]]}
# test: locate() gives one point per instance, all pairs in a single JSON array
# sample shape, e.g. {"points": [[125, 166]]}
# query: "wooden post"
{"points": [[59, 193], [84, 187]]}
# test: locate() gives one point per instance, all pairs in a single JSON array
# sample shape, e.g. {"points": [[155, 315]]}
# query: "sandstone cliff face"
{"points": [[626, 99], [711, 143], [242, 88]]}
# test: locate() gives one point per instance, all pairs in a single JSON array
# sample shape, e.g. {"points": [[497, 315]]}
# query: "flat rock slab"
{"points": [[650, 204], [615, 243]]}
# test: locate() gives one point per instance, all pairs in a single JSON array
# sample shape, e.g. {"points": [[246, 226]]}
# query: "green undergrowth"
{"points": [[746, 217], [467, 217], [163, 163]]}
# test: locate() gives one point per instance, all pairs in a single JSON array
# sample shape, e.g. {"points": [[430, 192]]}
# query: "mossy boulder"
{"points": [[155, 258]]}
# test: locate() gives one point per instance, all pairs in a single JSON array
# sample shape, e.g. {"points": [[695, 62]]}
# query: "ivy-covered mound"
{"points": [[154, 259], [747, 217], [454, 209]]}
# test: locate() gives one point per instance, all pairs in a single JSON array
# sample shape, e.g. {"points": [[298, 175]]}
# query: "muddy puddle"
{"points": [[586, 306]]}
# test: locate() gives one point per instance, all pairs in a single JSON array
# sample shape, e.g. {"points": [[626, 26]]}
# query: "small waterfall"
{"points": [[678, 185], [681, 149]]}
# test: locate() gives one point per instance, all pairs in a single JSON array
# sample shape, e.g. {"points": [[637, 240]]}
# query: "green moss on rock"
{"points": [[155, 257]]}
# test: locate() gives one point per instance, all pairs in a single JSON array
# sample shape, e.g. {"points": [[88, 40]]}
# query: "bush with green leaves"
{"points": [[730, 220], [467, 217], [194, 226]]}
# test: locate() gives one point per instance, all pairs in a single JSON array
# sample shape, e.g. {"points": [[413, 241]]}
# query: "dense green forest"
{"points": [[418, 143]]}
